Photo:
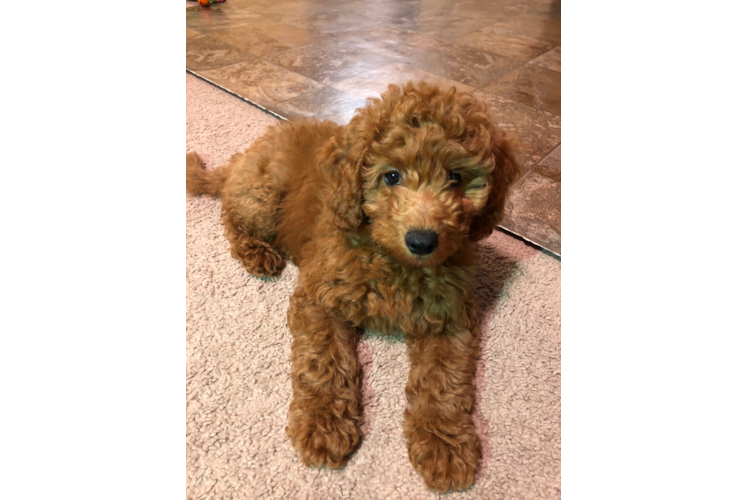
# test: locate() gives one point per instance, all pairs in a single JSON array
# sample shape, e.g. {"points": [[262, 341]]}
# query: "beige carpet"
{"points": [[238, 344]]}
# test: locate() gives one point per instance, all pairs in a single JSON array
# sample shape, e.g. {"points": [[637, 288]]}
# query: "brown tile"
{"points": [[547, 8], [539, 131], [464, 64], [330, 23], [287, 7], [505, 43], [328, 61], [206, 52], [494, 8], [192, 33], [533, 211], [373, 83], [435, 18], [553, 160], [531, 85], [379, 10], [444, 25], [388, 10], [327, 103], [388, 41], [258, 4], [332, 3], [262, 82], [548, 171], [266, 38], [534, 26], [211, 19], [550, 60]]}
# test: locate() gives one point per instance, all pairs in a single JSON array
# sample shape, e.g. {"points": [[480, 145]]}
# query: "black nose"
{"points": [[421, 242]]}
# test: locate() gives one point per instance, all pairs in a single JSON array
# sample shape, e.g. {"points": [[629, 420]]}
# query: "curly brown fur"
{"points": [[316, 193]]}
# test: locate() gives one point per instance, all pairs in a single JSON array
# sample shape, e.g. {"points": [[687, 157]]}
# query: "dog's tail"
{"points": [[201, 181]]}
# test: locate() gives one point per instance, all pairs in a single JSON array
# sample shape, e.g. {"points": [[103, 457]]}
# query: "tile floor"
{"points": [[323, 58]]}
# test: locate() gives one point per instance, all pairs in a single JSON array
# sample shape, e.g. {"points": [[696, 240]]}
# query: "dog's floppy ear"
{"points": [[344, 177], [344, 171], [506, 171]]}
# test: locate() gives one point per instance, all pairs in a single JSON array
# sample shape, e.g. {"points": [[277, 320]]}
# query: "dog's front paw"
{"points": [[323, 439], [445, 463]]}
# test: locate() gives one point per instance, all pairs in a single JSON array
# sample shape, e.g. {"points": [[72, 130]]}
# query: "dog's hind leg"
{"points": [[257, 256], [251, 230]]}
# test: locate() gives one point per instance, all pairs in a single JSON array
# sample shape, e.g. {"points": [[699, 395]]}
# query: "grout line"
{"points": [[334, 40], [325, 38], [547, 155], [538, 162], [532, 110]]}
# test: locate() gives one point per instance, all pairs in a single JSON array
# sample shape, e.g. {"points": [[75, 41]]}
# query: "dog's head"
{"points": [[425, 169]]}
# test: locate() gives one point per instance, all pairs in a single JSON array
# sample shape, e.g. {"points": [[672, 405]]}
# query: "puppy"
{"points": [[380, 216]]}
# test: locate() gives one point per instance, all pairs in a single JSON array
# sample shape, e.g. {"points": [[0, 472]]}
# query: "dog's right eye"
{"points": [[391, 178]]}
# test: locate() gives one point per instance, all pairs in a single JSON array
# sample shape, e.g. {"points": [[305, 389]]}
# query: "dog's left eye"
{"points": [[454, 179], [391, 178]]}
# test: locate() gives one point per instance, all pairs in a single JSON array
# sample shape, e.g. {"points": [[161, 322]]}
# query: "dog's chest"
{"points": [[414, 300]]}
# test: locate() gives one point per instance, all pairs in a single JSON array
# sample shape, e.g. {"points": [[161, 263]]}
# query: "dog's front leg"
{"points": [[442, 443], [324, 413]]}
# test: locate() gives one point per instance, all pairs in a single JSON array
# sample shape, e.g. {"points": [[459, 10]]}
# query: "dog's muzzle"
{"points": [[421, 242]]}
